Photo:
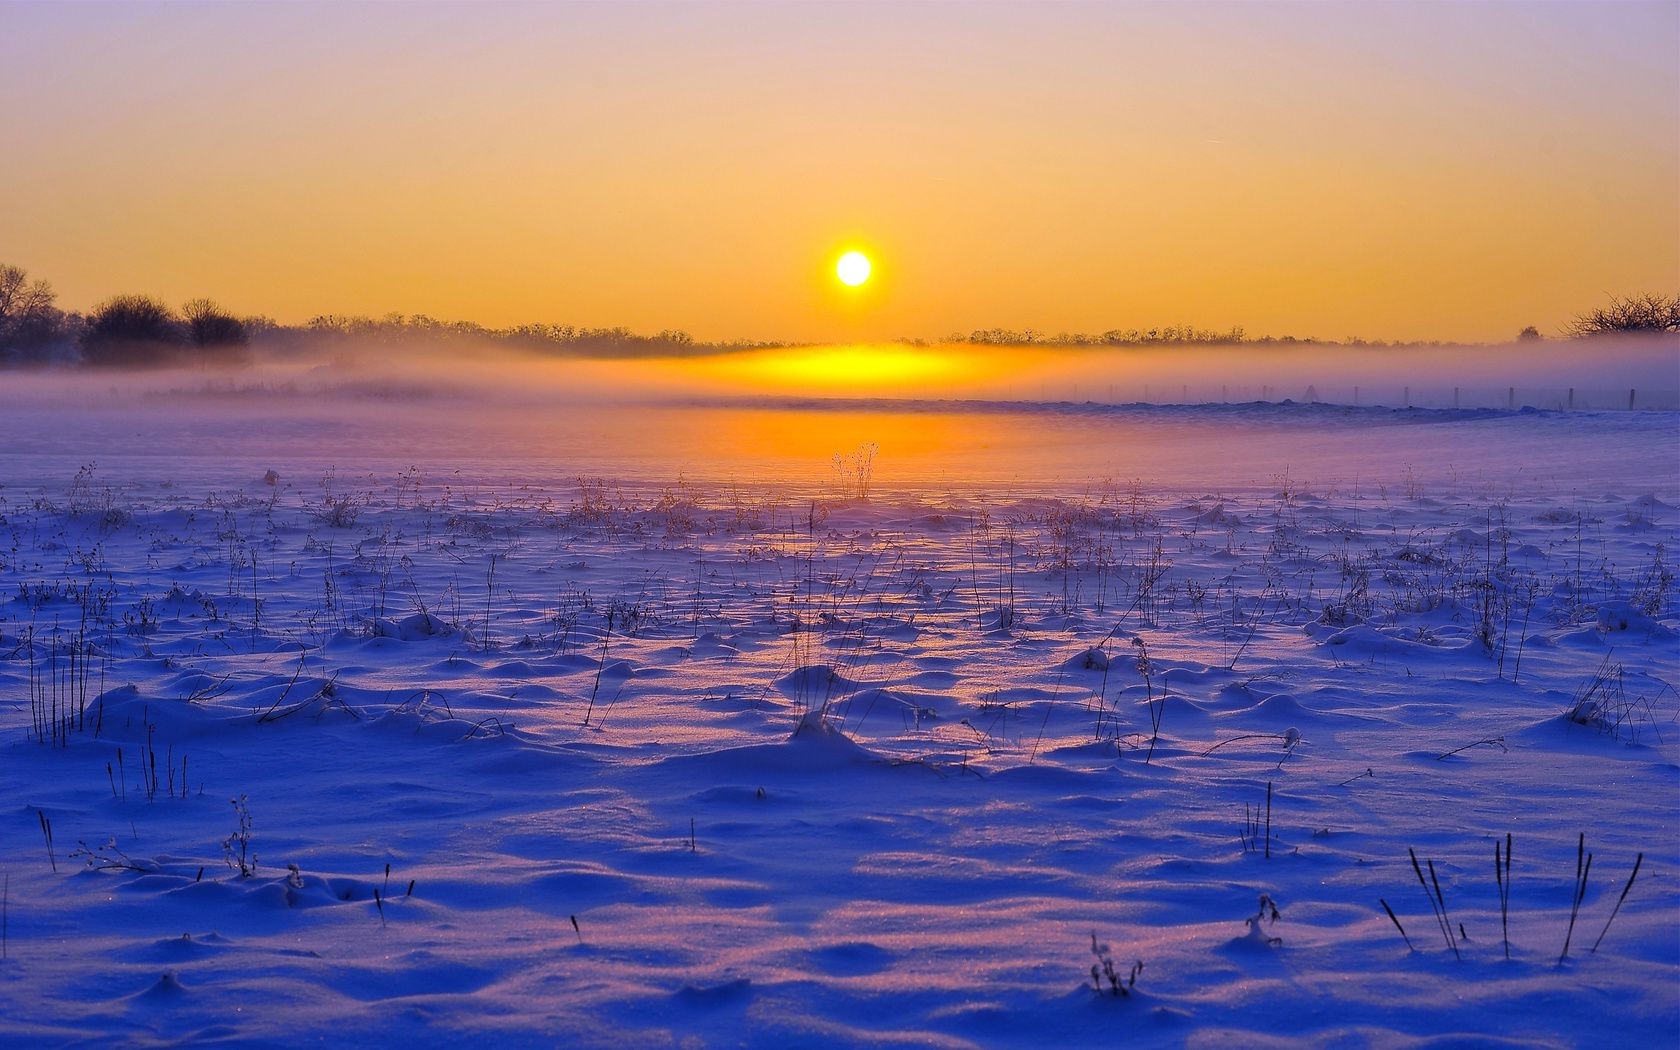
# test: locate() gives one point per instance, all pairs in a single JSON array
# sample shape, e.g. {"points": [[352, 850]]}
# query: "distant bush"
{"points": [[1530, 334], [219, 336], [1634, 314], [133, 330]]}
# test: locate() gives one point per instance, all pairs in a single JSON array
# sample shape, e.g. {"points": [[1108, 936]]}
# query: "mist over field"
{"points": [[1537, 374], [1220, 416]]}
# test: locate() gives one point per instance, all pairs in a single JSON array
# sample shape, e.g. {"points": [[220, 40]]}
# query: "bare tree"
{"points": [[28, 319], [1630, 315], [218, 335]]}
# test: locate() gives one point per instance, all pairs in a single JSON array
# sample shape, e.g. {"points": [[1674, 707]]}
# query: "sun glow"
{"points": [[852, 269], [860, 370]]}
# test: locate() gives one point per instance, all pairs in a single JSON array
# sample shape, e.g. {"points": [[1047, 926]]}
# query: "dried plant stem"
{"points": [[1436, 904], [1502, 876], [1637, 861], [46, 834], [1396, 921], [1583, 868]]}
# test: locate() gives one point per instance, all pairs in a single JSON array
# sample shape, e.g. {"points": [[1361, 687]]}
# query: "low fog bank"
{"points": [[1610, 373], [1038, 417], [1601, 373]]}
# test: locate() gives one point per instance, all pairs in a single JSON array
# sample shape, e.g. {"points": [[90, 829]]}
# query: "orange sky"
{"points": [[1387, 171]]}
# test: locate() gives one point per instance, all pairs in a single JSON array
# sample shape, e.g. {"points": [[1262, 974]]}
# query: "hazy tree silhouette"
{"points": [[132, 330], [29, 322], [1530, 334], [219, 336], [1631, 315], [397, 329]]}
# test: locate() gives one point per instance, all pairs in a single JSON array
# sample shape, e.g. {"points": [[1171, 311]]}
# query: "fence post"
{"points": [[1630, 399], [1571, 397], [1511, 399]]}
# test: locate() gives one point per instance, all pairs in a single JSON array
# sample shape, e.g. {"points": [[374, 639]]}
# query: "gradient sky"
{"points": [[1391, 171]]}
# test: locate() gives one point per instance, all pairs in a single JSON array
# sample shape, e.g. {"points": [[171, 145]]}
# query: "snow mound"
{"points": [[815, 680], [420, 627], [1617, 617], [1092, 659]]}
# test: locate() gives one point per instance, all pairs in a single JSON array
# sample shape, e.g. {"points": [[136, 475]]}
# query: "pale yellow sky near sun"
{"points": [[1387, 171]]}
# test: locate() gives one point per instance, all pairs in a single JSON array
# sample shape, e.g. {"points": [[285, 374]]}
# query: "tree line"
{"points": [[1633, 314], [142, 331], [573, 340], [124, 330]]}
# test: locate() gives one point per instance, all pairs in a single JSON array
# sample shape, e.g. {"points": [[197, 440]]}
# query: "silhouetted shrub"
{"points": [[219, 336], [133, 330]]}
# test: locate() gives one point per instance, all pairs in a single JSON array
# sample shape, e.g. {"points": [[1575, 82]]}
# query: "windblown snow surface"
{"points": [[618, 732]]}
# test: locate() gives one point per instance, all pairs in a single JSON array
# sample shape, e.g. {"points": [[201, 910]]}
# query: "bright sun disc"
{"points": [[853, 268]]}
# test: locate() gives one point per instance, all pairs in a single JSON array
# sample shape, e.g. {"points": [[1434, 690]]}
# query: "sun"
{"points": [[852, 269]]}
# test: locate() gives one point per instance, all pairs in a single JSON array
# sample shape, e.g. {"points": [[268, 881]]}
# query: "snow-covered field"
{"points": [[645, 727]]}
